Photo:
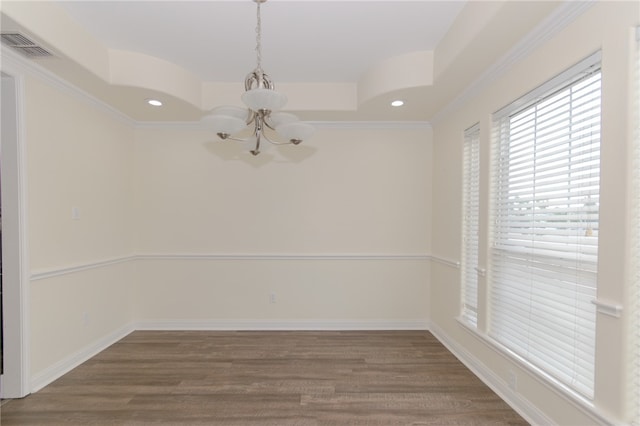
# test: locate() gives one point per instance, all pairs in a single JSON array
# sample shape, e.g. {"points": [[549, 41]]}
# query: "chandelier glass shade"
{"points": [[261, 119]]}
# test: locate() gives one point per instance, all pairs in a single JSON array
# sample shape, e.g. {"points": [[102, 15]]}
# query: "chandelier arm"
{"points": [[260, 130], [257, 132], [232, 138], [261, 103], [251, 118], [274, 142], [261, 134], [266, 123]]}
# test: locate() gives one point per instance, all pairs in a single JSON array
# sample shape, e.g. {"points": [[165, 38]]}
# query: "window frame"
{"points": [[470, 225], [536, 351]]}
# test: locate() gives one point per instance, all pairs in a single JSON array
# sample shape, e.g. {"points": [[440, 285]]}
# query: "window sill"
{"points": [[579, 401]]}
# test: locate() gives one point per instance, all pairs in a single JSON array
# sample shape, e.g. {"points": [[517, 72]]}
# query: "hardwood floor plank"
{"points": [[266, 378]]}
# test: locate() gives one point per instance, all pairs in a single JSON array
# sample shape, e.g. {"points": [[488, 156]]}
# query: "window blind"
{"points": [[470, 225], [635, 248], [545, 202]]}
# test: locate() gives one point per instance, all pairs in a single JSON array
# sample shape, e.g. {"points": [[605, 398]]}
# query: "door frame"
{"points": [[15, 382]]}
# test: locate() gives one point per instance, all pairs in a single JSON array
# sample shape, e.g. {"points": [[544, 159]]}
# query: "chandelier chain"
{"points": [[259, 37], [262, 101]]}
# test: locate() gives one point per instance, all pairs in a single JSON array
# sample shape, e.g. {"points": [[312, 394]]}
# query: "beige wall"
{"points": [[307, 223], [177, 231], [78, 155], [607, 26], [348, 190], [75, 315], [340, 228], [309, 294]]}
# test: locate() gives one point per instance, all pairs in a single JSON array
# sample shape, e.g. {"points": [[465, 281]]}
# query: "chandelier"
{"points": [[261, 121]]}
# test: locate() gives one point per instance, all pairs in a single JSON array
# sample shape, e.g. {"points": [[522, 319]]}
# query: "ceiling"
{"points": [[336, 60], [303, 41]]}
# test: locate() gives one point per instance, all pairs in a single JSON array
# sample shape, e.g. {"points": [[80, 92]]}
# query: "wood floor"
{"points": [[267, 378]]}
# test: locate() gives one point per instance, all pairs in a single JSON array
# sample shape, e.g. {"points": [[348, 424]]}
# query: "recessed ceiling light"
{"points": [[397, 103], [154, 102]]}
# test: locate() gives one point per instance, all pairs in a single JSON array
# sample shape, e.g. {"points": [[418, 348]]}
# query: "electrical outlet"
{"points": [[272, 298], [512, 380], [85, 319]]}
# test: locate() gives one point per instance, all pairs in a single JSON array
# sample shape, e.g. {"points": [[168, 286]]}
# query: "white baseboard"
{"points": [[47, 376], [281, 325], [521, 405], [57, 370]]}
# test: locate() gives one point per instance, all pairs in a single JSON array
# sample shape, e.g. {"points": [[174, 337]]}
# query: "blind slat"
{"points": [[470, 226], [545, 202]]}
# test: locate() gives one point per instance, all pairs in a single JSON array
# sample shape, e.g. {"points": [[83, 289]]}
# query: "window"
{"points": [[545, 202], [470, 205]]}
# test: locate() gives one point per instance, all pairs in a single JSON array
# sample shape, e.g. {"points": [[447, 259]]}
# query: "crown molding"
{"points": [[195, 125], [14, 63], [560, 18], [182, 125], [371, 124]]}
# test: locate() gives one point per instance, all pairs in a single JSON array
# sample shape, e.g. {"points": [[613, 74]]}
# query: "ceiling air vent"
{"points": [[25, 46]]}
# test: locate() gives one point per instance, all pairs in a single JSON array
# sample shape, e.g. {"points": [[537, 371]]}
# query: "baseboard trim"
{"points": [[54, 372], [57, 370], [282, 325], [520, 404]]}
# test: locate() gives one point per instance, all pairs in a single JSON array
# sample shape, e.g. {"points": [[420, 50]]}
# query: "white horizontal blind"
{"points": [[545, 202], [635, 248], [470, 224]]}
